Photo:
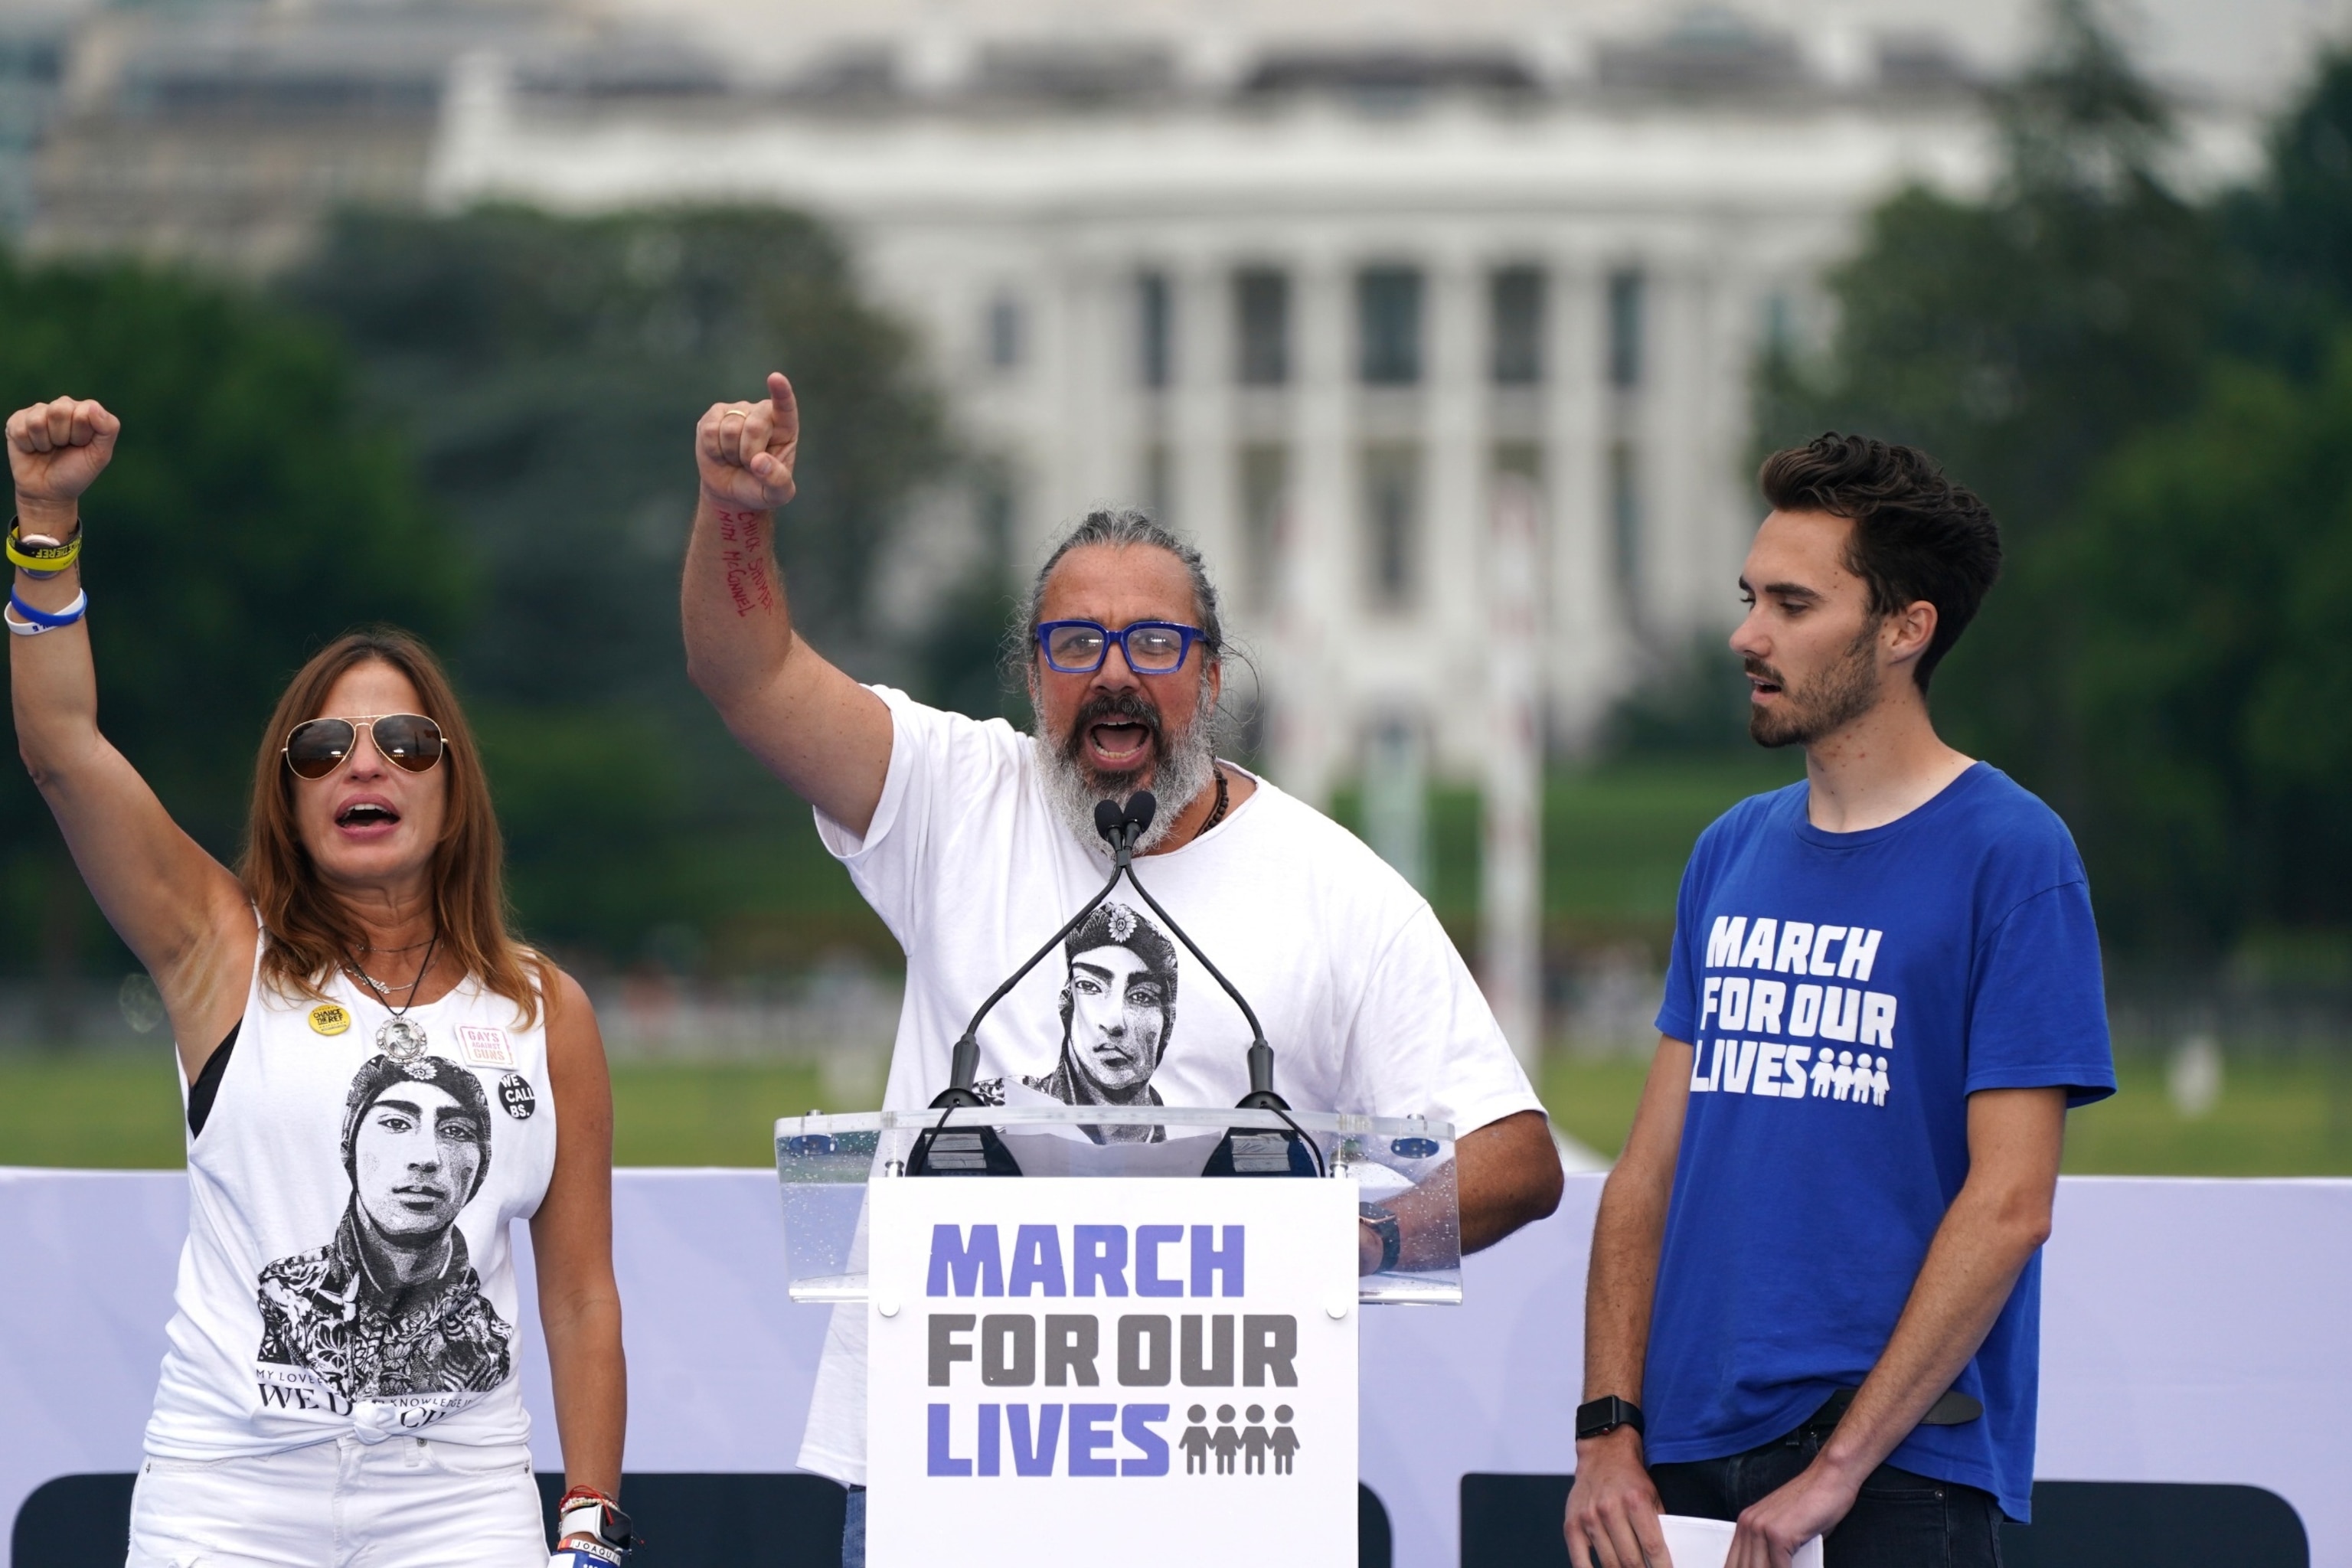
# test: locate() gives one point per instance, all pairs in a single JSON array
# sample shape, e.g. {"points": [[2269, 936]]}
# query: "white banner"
{"points": [[1159, 1369], [2164, 1302]]}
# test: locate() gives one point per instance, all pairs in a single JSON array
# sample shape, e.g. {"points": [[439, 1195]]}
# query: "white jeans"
{"points": [[406, 1502]]}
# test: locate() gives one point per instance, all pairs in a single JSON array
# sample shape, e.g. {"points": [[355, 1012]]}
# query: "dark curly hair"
{"points": [[1916, 535]]}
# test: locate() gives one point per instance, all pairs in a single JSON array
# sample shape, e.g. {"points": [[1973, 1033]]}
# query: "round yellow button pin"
{"points": [[328, 1018]]}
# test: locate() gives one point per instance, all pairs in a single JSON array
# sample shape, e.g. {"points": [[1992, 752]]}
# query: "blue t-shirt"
{"points": [[1844, 994]]}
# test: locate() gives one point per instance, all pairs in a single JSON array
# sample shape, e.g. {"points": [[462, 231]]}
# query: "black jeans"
{"points": [[1900, 1520]]}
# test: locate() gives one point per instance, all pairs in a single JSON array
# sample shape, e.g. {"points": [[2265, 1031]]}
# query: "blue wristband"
{"points": [[43, 618], [585, 1554]]}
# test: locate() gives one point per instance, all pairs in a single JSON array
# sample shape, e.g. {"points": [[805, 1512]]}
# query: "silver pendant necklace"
{"points": [[398, 1036]]}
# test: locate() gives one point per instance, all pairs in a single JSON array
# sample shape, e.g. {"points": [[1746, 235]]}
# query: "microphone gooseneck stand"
{"points": [[979, 1152]]}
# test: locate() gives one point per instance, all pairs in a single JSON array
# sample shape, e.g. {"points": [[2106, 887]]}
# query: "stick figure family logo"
{"points": [[1849, 1078], [1251, 1444]]}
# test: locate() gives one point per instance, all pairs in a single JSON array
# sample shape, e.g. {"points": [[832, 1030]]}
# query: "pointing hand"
{"points": [[746, 451]]}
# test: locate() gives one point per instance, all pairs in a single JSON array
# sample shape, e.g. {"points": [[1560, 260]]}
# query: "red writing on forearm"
{"points": [[743, 552]]}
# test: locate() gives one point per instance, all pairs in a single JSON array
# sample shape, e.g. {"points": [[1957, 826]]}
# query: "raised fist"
{"points": [[57, 450], [745, 451]]}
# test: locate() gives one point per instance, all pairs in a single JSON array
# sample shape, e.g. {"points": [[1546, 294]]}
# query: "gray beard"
{"points": [[1073, 789]]}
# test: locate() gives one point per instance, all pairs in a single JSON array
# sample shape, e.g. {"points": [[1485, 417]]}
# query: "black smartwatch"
{"points": [[1606, 1415], [1384, 1225]]}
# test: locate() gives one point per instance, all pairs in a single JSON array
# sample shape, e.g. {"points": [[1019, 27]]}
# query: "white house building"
{"points": [[1431, 320], [1310, 285]]}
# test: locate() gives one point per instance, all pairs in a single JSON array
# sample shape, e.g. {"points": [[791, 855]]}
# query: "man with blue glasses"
{"points": [[974, 842]]}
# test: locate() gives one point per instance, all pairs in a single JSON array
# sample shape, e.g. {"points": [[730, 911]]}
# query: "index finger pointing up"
{"points": [[781, 398]]}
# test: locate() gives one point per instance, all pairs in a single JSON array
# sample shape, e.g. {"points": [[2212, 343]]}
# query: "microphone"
{"points": [[1141, 807], [1241, 1153], [1122, 828], [979, 1152], [963, 1063]]}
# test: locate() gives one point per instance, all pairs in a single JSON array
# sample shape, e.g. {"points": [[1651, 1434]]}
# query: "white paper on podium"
{"points": [[1068, 1152], [1705, 1542]]}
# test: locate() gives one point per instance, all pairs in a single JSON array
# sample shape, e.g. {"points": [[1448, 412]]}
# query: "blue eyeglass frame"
{"points": [[1190, 634]]}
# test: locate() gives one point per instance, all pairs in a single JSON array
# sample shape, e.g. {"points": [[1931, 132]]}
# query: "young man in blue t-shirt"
{"points": [[1814, 1297]]}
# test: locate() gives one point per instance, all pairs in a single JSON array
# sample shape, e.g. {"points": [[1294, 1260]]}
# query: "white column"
{"points": [[1511, 891], [1453, 551], [1104, 404], [1694, 425], [1052, 400], [1207, 493], [1396, 796], [1312, 717], [1730, 505], [1585, 633], [1667, 426]]}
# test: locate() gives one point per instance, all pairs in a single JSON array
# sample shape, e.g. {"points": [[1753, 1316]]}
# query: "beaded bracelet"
{"points": [[39, 561]]}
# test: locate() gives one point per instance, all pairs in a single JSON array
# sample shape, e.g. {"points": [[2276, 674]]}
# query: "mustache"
{"points": [[1763, 671], [1106, 706]]}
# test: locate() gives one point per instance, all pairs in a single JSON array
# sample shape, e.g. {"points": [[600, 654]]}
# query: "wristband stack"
{"points": [[37, 557], [25, 621], [40, 559], [587, 1512]]}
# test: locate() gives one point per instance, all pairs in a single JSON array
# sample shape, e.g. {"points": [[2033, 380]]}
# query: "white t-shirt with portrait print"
{"points": [[1368, 1008]]}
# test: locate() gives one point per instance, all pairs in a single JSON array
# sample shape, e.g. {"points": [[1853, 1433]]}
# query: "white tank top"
{"points": [[347, 1268]]}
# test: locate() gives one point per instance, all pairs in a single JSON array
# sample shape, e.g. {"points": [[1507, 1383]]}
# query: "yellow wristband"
{"points": [[47, 560]]}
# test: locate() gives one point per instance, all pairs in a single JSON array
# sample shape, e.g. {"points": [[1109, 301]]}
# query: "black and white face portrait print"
{"points": [[391, 1305], [417, 1152], [1118, 1006], [417, 1145]]}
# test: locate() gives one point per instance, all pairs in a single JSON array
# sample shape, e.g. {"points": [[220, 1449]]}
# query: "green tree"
{"points": [[548, 371], [250, 515], [2208, 574], [2291, 231], [2019, 339]]}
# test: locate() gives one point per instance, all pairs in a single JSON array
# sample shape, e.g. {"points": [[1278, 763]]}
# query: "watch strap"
{"points": [[585, 1511], [1385, 1225], [1607, 1413]]}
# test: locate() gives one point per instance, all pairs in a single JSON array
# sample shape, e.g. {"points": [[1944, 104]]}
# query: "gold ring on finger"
{"points": [[735, 414]]}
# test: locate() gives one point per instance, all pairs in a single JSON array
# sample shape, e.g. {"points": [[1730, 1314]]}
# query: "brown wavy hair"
{"points": [[309, 932]]}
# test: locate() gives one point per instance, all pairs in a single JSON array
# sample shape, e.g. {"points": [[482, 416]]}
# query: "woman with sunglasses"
{"points": [[379, 1077]]}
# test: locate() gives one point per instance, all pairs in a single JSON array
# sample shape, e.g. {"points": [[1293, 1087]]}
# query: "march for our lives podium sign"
{"points": [[1139, 1373]]}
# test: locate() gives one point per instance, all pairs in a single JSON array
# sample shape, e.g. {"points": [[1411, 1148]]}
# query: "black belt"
{"points": [[1952, 1408]]}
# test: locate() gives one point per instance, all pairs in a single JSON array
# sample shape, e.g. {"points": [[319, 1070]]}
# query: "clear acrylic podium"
{"points": [[1403, 1165]]}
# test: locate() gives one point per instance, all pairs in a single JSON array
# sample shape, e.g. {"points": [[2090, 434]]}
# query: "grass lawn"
{"points": [[2275, 1117], [124, 1112], [1615, 840], [1592, 1099]]}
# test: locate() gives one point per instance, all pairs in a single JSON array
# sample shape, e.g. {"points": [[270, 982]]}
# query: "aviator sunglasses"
{"points": [[410, 741]]}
